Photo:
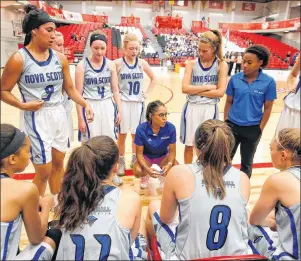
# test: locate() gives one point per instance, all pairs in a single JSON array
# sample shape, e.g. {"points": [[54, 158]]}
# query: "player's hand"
{"points": [[293, 90], [153, 173], [144, 95], [89, 113], [118, 119], [46, 202], [165, 169], [212, 87], [32, 105], [82, 126]]}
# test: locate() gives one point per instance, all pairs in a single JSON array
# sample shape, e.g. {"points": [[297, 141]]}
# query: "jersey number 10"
{"points": [[79, 241], [134, 88], [219, 222]]}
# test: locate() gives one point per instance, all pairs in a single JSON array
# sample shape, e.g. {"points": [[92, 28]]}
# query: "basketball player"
{"points": [[281, 191], [96, 79], [130, 78], [20, 202], [210, 198], [204, 83], [290, 116], [250, 98], [155, 144], [96, 219], [58, 45], [41, 73]]}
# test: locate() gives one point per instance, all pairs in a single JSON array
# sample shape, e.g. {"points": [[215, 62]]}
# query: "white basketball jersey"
{"points": [[130, 80], [212, 227], [288, 223], [41, 80], [203, 76], [101, 237], [292, 100], [97, 83], [10, 236]]}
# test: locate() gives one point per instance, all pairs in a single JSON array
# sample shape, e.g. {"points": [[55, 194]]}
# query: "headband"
{"points": [[14, 145], [96, 37], [36, 18]]}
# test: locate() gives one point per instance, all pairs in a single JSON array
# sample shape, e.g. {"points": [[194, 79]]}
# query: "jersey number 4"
{"points": [[219, 222], [134, 88], [79, 241]]}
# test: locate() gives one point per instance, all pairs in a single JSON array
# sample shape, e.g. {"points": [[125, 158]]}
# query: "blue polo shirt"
{"points": [[155, 146], [248, 99]]}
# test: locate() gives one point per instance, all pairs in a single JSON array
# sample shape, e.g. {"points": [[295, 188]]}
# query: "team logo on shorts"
{"points": [[257, 239]]}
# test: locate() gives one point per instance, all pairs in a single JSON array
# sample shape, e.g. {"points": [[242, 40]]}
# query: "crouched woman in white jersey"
{"points": [[203, 208], [20, 202], [41, 73], [280, 192], [96, 79], [95, 217]]}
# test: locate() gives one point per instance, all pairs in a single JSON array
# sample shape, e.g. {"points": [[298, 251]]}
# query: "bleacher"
{"points": [[82, 32], [277, 48]]}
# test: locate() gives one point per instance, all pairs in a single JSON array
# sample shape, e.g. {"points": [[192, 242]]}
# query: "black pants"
{"points": [[248, 137], [230, 68], [237, 67]]}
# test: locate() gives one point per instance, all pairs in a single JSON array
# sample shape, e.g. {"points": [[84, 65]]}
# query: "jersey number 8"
{"points": [[219, 222], [79, 241]]}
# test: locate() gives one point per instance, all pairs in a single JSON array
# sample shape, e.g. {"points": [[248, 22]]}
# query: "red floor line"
{"points": [[128, 172], [170, 91]]}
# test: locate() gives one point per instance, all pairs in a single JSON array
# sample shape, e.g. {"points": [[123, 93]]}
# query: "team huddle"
{"points": [[202, 212]]}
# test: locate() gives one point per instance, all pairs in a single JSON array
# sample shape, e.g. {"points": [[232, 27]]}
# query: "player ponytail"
{"points": [[82, 190], [289, 139], [214, 140], [215, 38]]}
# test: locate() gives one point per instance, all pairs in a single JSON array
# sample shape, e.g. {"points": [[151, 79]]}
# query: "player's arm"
{"points": [[79, 86], [222, 83], [245, 186], [149, 72], [293, 76], [136, 201], [169, 201], [268, 199], [228, 105], [187, 88], [115, 91], [71, 91], [35, 223], [10, 76]]}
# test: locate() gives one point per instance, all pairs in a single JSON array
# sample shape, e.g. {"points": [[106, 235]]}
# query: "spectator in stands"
{"points": [[74, 37], [288, 57], [231, 63], [250, 98], [238, 61]]}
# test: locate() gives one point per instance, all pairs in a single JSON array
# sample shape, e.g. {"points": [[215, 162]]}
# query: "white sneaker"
{"points": [[144, 182], [133, 161], [121, 167], [117, 181]]}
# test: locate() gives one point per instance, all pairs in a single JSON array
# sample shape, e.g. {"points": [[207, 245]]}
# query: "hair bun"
{"points": [[29, 7]]}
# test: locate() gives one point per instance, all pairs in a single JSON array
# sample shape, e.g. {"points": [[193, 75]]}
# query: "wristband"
{"points": [[169, 163]]}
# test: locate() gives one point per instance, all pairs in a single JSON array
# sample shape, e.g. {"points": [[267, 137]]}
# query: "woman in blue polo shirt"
{"points": [[250, 98], [155, 144]]}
